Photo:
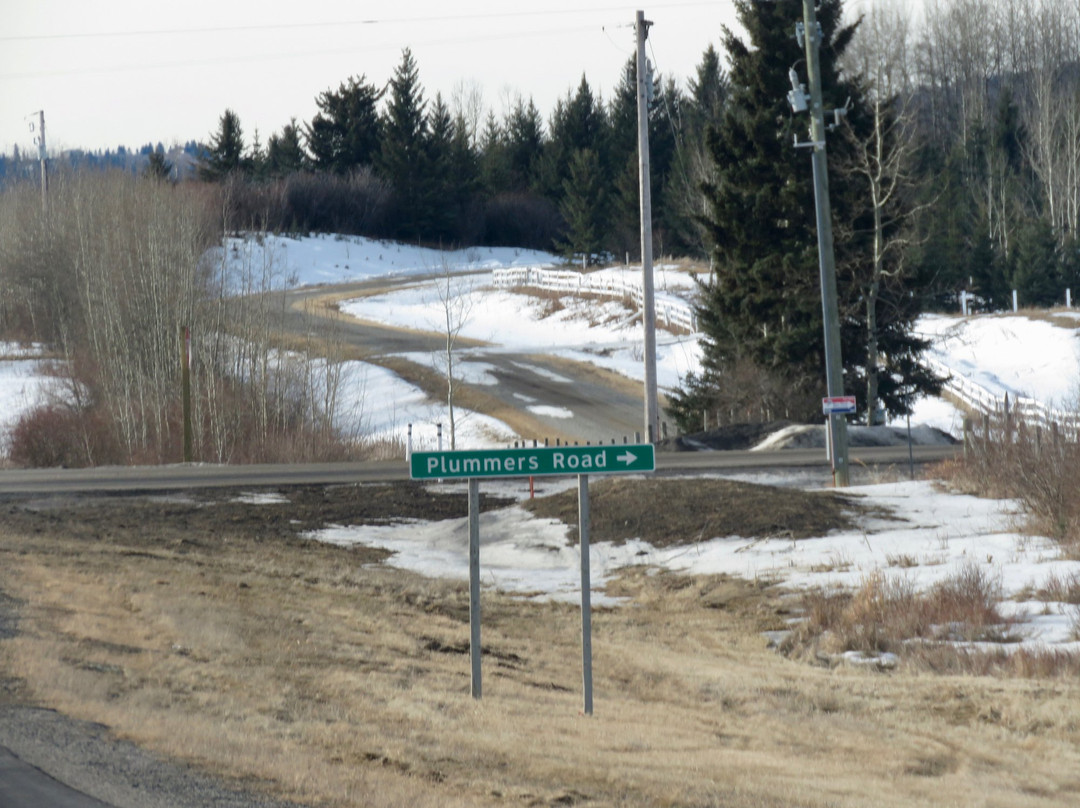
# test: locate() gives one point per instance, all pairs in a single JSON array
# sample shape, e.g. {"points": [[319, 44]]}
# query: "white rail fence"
{"points": [[672, 313], [1019, 408]]}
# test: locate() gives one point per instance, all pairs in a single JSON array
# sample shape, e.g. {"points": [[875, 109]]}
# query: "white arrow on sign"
{"points": [[627, 458]]}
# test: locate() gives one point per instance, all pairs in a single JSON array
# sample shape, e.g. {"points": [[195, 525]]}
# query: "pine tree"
{"points": [[495, 168], [225, 155], [284, 153], [625, 234], [446, 194], [761, 311], [345, 134], [584, 207], [692, 117], [1036, 261], [578, 122], [403, 160], [157, 167], [524, 141]]}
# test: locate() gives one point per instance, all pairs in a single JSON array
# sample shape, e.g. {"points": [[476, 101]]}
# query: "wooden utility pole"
{"points": [[41, 156], [834, 365], [648, 298]]}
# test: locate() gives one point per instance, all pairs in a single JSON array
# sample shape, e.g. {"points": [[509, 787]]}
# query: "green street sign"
{"points": [[538, 462]]}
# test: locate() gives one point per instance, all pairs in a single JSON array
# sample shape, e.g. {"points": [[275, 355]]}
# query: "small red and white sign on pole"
{"points": [[838, 405]]}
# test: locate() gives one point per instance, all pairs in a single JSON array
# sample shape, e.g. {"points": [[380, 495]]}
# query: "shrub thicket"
{"points": [[109, 276]]}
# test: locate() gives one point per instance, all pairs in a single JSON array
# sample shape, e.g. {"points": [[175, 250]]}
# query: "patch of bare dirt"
{"points": [[668, 512], [206, 517]]}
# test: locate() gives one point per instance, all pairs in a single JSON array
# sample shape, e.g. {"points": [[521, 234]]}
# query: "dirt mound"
{"points": [[668, 512]]}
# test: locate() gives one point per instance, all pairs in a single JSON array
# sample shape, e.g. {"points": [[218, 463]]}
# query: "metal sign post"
{"points": [[535, 462], [474, 586], [586, 592]]}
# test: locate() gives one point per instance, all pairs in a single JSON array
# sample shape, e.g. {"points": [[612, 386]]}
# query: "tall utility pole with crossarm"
{"points": [[648, 299], [834, 365]]}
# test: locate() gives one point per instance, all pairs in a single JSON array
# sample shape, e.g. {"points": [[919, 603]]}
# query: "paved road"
{"points": [[23, 786], [179, 477]]}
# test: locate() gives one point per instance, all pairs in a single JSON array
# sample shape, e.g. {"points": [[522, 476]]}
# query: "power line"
{"points": [[280, 56], [292, 26]]}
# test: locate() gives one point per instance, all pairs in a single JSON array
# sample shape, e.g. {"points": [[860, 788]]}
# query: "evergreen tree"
{"points": [[255, 161], [345, 134], [447, 195], [225, 155], [1036, 261], [157, 167], [284, 153], [625, 234], [708, 92], [683, 197], [403, 160], [578, 123], [495, 169], [761, 313], [524, 142], [584, 207]]}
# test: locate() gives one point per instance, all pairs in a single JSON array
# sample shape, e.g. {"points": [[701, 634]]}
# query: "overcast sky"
{"points": [[120, 72]]}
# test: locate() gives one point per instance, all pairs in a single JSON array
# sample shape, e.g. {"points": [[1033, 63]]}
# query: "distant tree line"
{"points": [[389, 162]]}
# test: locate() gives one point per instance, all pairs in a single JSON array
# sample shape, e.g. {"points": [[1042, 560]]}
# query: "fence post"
{"points": [[967, 436]]}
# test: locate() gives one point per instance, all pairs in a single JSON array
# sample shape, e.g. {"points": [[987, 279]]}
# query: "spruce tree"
{"points": [[284, 152], [446, 194], [693, 117], [157, 167], [225, 154], [1036, 260], [578, 122], [345, 134], [403, 160], [495, 170], [524, 142], [761, 312], [584, 207]]}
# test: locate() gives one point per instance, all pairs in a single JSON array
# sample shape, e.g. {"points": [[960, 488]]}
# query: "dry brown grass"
{"points": [[887, 613], [331, 679], [1032, 465]]}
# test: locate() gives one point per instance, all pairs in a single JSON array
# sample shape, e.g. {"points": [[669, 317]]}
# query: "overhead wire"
{"points": [[490, 15], [279, 56]]}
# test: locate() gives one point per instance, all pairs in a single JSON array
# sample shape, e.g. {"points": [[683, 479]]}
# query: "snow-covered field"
{"points": [[932, 535], [935, 534]]}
